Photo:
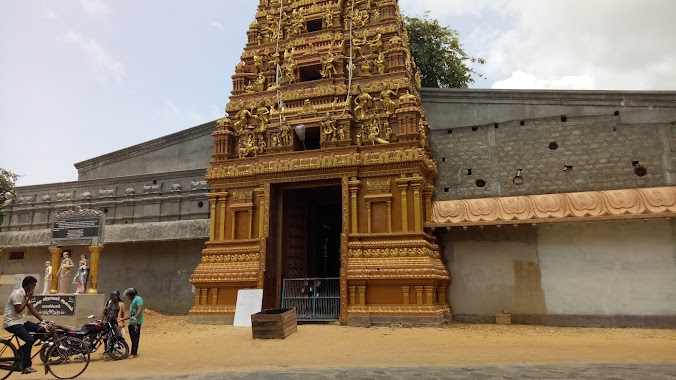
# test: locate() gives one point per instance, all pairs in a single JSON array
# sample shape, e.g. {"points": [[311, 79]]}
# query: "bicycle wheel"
{"points": [[67, 358], [9, 359], [118, 349]]}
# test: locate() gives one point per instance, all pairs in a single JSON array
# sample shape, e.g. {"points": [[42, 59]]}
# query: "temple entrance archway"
{"points": [[305, 229]]}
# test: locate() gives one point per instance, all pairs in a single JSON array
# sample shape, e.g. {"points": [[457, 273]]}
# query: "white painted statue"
{"points": [[48, 277], [65, 273]]}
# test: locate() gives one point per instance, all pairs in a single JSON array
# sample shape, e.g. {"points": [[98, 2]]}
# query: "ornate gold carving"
{"points": [[595, 205]]}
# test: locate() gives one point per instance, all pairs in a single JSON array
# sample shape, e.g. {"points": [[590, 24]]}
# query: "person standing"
{"points": [[14, 322], [136, 310]]}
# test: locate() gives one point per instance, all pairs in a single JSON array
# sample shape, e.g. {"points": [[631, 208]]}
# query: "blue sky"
{"points": [[82, 78]]}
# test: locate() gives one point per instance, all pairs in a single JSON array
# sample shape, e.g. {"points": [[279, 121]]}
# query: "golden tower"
{"points": [[322, 168]]}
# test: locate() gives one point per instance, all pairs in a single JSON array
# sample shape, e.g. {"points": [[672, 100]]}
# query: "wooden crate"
{"points": [[273, 323]]}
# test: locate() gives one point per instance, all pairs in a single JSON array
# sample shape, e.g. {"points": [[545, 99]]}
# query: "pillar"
{"points": [[427, 193], [223, 199], [417, 207], [214, 296], [197, 296], [212, 219], [354, 216], [419, 294], [362, 294], [56, 264], [260, 194], [429, 295], [402, 183], [94, 252], [405, 291], [353, 294]]}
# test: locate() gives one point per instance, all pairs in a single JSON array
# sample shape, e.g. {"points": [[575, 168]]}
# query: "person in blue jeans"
{"points": [[135, 319], [14, 322]]}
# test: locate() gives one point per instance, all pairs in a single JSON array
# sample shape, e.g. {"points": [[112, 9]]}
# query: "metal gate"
{"points": [[314, 298]]}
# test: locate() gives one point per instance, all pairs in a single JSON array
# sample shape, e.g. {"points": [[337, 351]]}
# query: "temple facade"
{"points": [[322, 168], [339, 187]]}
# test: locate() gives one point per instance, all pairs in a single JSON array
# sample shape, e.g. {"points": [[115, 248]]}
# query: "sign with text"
{"points": [[82, 228], [54, 305], [249, 301], [78, 227]]}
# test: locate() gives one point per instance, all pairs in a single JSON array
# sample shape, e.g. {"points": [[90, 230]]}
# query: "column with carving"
{"points": [[95, 252], [56, 264]]}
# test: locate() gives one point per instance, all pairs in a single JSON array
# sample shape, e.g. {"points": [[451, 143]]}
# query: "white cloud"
{"points": [[96, 7], [217, 25], [521, 80], [106, 66], [170, 112], [50, 14], [622, 45]]}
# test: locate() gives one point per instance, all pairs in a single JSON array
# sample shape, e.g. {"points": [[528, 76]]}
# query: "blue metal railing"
{"points": [[314, 298]]}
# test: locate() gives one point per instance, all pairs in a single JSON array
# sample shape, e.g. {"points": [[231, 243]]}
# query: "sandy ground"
{"points": [[170, 345]]}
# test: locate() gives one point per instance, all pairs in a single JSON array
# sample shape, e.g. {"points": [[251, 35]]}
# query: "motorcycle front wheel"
{"points": [[118, 349]]}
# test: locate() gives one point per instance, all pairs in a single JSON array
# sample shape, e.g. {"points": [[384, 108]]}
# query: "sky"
{"points": [[82, 78]]}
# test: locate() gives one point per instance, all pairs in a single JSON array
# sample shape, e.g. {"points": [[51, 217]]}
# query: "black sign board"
{"points": [[80, 228], [54, 304]]}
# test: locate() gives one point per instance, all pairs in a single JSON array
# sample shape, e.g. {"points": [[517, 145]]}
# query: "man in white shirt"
{"points": [[15, 323]]}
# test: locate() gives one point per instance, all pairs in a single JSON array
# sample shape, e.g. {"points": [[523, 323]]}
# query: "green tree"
{"points": [[439, 55], [7, 184]]}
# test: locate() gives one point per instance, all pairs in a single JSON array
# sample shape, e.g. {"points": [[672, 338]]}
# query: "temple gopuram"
{"points": [[322, 175]]}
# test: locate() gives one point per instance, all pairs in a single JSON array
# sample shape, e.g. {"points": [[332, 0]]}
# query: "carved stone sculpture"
{"points": [[82, 275], [65, 272], [47, 281]]}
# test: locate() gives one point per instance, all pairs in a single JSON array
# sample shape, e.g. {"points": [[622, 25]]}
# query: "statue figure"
{"points": [[262, 116], [285, 134], [358, 139], [82, 275], [388, 130], [341, 133], [329, 128], [356, 48], [418, 79], [422, 132], [48, 278], [274, 61], [258, 62], [328, 18], [386, 101], [242, 117], [365, 68], [380, 63], [396, 41], [259, 83], [275, 140], [64, 273], [329, 66], [362, 103], [377, 43]]}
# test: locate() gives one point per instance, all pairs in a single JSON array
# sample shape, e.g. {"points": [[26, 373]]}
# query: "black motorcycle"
{"points": [[95, 333]]}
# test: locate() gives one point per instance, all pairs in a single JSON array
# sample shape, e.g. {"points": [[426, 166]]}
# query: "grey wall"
{"points": [[571, 274], [186, 150], [602, 137], [160, 271]]}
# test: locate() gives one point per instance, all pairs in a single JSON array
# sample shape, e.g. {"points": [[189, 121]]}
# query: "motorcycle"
{"points": [[93, 334]]}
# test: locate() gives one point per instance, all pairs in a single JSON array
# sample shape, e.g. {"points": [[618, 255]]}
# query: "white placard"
{"points": [[249, 301]]}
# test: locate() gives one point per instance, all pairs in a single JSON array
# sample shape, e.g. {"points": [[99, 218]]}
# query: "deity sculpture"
{"points": [[259, 83], [388, 130], [386, 101], [258, 62], [363, 103], [64, 273], [262, 116], [341, 133], [329, 128], [422, 132], [47, 282], [380, 63], [82, 275], [328, 18], [329, 66], [377, 44], [242, 117]]}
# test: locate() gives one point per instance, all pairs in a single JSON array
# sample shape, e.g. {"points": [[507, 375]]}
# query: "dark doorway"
{"points": [[306, 224]]}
